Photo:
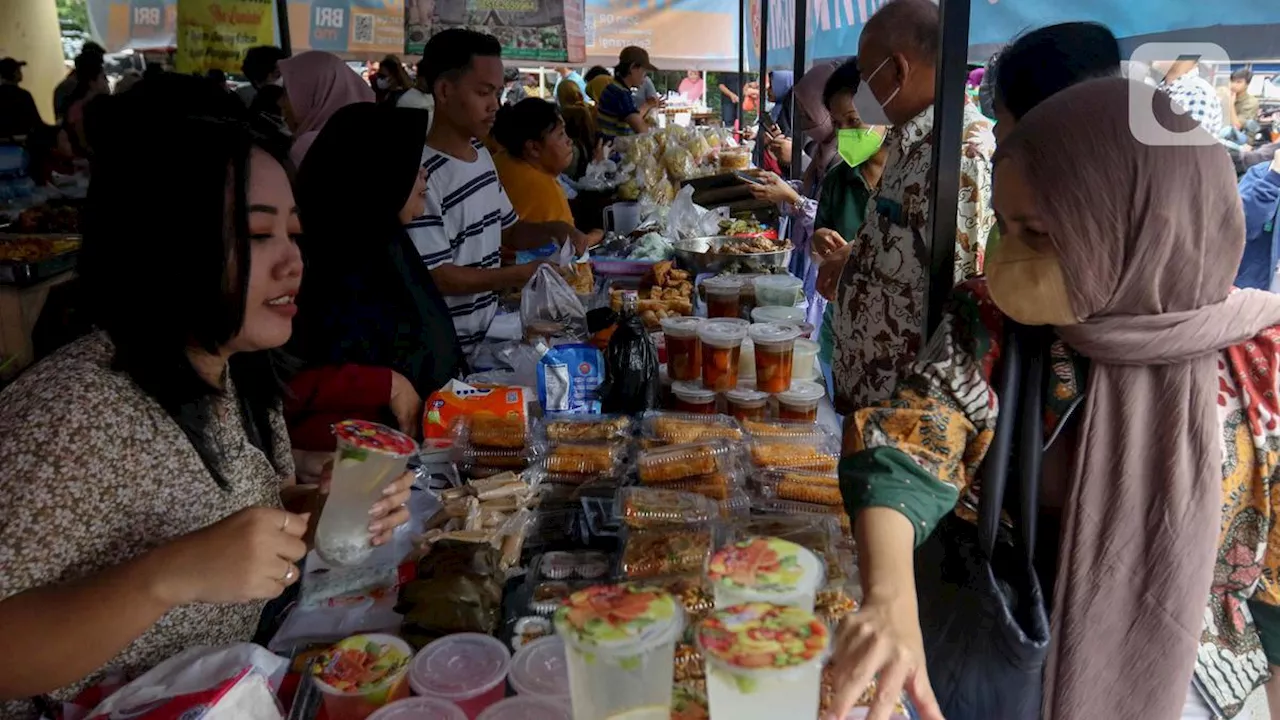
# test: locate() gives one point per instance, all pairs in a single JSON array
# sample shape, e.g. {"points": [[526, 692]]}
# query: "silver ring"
{"points": [[288, 576]]}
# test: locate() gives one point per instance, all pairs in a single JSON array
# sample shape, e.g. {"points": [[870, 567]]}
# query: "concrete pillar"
{"points": [[29, 31]]}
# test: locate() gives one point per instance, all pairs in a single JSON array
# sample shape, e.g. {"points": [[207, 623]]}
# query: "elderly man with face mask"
{"points": [[880, 298]]}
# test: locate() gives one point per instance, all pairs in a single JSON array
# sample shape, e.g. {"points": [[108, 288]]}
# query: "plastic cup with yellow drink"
{"points": [[620, 650], [765, 569], [763, 662]]}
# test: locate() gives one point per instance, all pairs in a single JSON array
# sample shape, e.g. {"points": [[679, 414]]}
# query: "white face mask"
{"points": [[869, 107], [383, 82]]}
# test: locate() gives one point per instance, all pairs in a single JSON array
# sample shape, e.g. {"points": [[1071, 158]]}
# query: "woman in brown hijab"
{"points": [[1154, 464]]}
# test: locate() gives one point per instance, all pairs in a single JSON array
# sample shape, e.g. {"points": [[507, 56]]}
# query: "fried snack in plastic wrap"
{"points": [[680, 428], [692, 591], [689, 666], [717, 486], [802, 486], [644, 507], [677, 462], [793, 453], [666, 551], [583, 458], [868, 697], [588, 428], [497, 432]]}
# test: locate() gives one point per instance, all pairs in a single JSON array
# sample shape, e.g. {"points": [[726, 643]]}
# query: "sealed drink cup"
{"points": [[620, 647], [745, 403], [369, 457], [774, 347], [779, 290], [763, 661], [539, 670], [724, 297], [521, 707], [684, 349], [765, 569], [419, 708], [721, 352], [777, 314], [693, 398], [467, 669], [361, 674], [804, 360], [800, 402]]}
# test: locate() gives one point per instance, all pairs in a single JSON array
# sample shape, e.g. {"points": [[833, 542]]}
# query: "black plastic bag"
{"points": [[631, 363]]}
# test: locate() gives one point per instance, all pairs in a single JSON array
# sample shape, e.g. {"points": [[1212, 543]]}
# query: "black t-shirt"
{"points": [[728, 108], [18, 114]]}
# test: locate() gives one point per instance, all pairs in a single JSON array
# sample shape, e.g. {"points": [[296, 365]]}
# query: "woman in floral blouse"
{"points": [[145, 468], [1159, 420]]}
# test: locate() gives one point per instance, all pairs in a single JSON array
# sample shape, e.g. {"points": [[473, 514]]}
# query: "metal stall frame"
{"points": [[798, 67], [948, 135]]}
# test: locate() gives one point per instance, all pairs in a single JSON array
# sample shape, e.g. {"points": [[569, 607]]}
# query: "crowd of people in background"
{"points": [[1094, 351]]}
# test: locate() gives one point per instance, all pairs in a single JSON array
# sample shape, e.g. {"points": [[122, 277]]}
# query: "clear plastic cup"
{"points": [[721, 352], [774, 348], [745, 403], [467, 669], [420, 708], [527, 708], [684, 349], [356, 700], [539, 670], [369, 457], [620, 645], [693, 398], [763, 661], [804, 364], [724, 297], [777, 314], [778, 290], [765, 569], [800, 402]]}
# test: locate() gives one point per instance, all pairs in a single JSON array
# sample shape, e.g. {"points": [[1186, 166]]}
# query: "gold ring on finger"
{"points": [[288, 576], [285, 525]]}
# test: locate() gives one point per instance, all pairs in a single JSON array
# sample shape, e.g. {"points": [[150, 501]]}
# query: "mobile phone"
{"points": [[744, 177], [768, 123]]}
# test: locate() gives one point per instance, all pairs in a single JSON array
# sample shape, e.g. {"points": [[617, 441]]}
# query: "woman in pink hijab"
{"points": [[317, 85]]}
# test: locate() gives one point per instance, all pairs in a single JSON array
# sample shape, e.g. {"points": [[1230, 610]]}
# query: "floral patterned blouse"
{"points": [[919, 453], [880, 301], [93, 473]]}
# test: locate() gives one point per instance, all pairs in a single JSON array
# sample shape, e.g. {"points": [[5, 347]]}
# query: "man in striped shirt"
{"points": [[469, 217]]}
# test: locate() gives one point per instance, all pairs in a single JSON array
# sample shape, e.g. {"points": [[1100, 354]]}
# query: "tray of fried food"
{"points": [[716, 486], [736, 506], [583, 458], [648, 507], [666, 550], [691, 589], [538, 473], [806, 486], [771, 507], [665, 291], [818, 451], [832, 604], [779, 429], [656, 466], [492, 431], [677, 428], [689, 667], [562, 427]]}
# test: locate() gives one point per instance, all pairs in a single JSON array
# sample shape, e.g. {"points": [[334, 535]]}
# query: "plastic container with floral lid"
{"points": [[763, 661], [765, 569], [620, 648], [369, 457]]}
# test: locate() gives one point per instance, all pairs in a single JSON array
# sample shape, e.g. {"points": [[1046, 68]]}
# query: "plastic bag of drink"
{"points": [[631, 363], [233, 682]]}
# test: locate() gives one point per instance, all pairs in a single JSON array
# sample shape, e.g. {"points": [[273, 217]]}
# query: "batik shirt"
{"points": [[880, 301], [1198, 98], [919, 453]]}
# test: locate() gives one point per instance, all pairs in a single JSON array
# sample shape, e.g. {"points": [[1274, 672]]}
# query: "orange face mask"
{"points": [[1026, 284]]}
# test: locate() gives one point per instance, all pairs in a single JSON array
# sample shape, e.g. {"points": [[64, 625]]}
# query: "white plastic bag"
{"points": [[548, 305], [232, 682], [689, 220]]}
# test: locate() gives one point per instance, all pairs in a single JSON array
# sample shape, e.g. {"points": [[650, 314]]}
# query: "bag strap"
{"points": [[1018, 436]]}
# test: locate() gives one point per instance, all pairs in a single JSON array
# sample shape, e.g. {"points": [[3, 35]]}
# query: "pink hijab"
{"points": [[318, 84], [1150, 238]]}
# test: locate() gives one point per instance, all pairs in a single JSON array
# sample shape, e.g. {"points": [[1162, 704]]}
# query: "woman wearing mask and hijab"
{"points": [[392, 81], [372, 327], [1106, 368], [317, 85]]}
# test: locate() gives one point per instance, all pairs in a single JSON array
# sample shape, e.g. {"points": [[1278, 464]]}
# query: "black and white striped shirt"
{"points": [[467, 210]]}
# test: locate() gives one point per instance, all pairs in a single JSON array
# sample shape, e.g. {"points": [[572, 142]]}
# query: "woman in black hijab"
{"points": [[372, 327]]}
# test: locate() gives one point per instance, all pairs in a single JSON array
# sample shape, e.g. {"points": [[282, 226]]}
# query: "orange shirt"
{"points": [[535, 194]]}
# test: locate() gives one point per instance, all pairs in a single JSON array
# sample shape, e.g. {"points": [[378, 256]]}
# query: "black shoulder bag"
{"points": [[982, 610]]}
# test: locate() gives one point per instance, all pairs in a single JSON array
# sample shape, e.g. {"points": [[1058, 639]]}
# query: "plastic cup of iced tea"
{"points": [[774, 347], [724, 297], [693, 398], [684, 349], [721, 351], [745, 403], [800, 402]]}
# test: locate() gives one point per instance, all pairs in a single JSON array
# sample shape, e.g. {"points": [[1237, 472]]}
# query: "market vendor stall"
{"points": [[38, 250]]}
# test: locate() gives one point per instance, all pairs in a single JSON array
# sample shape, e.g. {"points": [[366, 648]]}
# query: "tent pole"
{"points": [[948, 134], [742, 60], [282, 20], [797, 142]]}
